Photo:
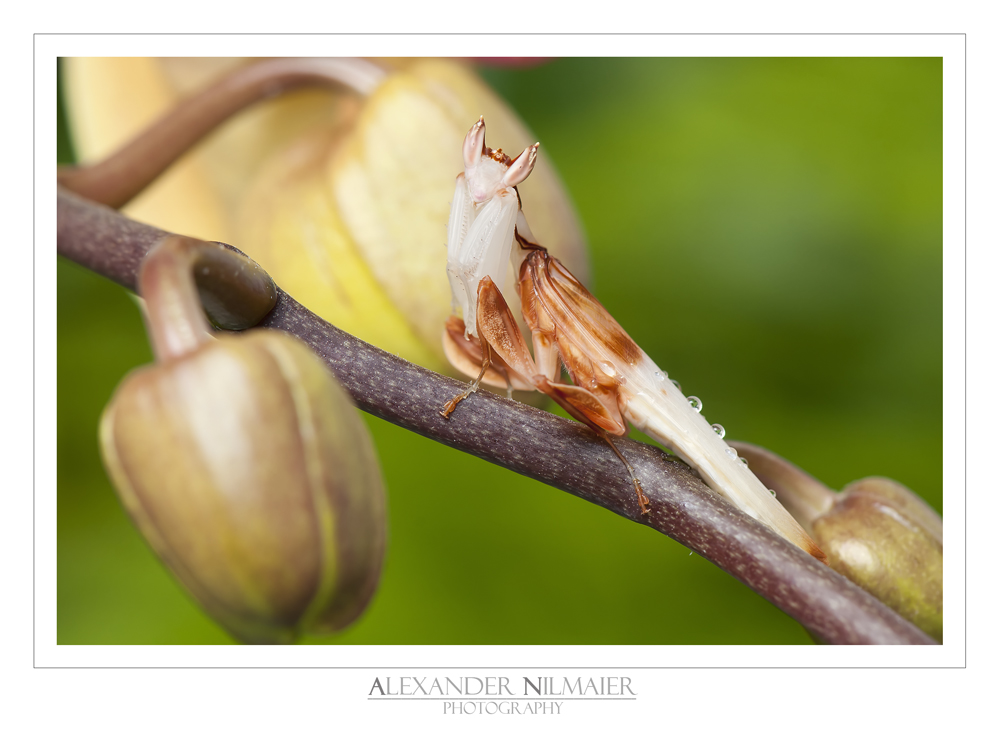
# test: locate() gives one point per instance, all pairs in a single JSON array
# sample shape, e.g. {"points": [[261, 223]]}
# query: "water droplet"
{"points": [[695, 402], [661, 376], [607, 368], [731, 452], [745, 462], [676, 384], [717, 427], [773, 493], [622, 380]]}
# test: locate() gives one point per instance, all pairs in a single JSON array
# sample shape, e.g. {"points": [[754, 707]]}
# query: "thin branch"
{"points": [[561, 453], [121, 176]]}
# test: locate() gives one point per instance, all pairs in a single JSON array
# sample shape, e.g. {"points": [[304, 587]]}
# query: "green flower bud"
{"points": [[249, 472], [876, 532], [887, 540]]}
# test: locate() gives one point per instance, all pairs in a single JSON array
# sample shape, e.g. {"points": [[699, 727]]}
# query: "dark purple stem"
{"points": [[538, 445]]}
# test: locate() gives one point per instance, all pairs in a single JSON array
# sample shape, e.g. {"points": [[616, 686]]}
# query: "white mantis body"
{"points": [[615, 382]]}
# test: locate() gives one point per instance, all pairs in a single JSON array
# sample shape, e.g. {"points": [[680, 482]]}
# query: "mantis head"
{"points": [[489, 171]]}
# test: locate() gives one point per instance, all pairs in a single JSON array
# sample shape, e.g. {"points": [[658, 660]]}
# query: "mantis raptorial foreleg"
{"points": [[495, 324], [483, 216], [614, 381]]}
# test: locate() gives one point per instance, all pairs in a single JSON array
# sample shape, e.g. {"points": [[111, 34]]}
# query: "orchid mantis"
{"points": [[614, 381]]}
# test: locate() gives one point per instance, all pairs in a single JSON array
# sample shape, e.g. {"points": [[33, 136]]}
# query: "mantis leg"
{"points": [[500, 340], [461, 216], [466, 355], [643, 499], [590, 409], [450, 406], [598, 409]]}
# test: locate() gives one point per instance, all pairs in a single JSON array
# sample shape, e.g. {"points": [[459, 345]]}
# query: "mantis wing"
{"points": [[605, 361], [562, 314], [576, 315], [498, 328]]}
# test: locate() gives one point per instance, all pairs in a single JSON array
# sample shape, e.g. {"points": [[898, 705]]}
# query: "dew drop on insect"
{"points": [[660, 376], [731, 452], [676, 384], [717, 427], [607, 368], [695, 402]]}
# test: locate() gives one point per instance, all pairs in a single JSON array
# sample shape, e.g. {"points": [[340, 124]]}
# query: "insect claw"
{"points": [[450, 406], [643, 499]]}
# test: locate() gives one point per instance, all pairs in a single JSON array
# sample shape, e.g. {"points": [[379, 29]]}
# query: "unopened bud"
{"points": [[876, 532], [887, 540], [248, 470]]}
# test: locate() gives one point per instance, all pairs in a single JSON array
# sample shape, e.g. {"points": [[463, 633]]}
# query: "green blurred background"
{"points": [[768, 230]]}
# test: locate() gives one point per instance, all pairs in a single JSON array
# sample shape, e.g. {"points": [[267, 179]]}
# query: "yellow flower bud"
{"points": [[876, 532], [343, 199]]}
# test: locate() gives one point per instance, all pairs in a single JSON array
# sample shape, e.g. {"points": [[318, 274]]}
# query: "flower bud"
{"points": [[876, 532], [885, 539], [394, 179], [249, 472], [343, 199]]}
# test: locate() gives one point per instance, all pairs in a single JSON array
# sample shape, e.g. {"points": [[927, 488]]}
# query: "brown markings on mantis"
{"points": [[596, 405], [614, 382]]}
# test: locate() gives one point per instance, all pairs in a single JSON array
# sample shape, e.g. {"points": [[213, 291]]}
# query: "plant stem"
{"points": [[561, 453], [175, 319], [117, 179]]}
